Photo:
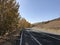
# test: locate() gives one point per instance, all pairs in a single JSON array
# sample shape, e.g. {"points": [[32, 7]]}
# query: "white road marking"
{"points": [[21, 39], [35, 39], [51, 36]]}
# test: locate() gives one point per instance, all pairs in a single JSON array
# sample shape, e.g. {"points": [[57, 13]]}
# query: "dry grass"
{"points": [[52, 26], [10, 39], [52, 31]]}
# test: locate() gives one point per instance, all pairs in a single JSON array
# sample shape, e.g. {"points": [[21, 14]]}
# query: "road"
{"points": [[38, 38]]}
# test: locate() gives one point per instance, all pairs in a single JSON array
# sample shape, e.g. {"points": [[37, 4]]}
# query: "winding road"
{"points": [[38, 38]]}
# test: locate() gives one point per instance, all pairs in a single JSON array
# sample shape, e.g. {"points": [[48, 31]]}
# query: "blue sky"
{"points": [[39, 10]]}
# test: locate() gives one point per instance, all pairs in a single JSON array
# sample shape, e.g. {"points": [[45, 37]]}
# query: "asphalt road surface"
{"points": [[38, 38]]}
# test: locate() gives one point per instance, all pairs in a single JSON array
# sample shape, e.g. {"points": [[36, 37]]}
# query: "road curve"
{"points": [[35, 38]]}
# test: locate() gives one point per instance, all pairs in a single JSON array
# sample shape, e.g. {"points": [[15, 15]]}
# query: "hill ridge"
{"points": [[50, 24]]}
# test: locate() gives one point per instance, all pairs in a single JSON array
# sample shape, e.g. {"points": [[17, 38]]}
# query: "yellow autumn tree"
{"points": [[24, 24], [9, 16]]}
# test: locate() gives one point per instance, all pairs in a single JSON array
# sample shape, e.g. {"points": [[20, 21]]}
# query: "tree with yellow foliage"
{"points": [[9, 16], [24, 24]]}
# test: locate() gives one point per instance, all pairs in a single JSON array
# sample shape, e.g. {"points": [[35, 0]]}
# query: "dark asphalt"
{"points": [[35, 38]]}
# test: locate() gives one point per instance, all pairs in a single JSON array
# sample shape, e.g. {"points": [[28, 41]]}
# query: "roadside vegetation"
{"points": [[11, 21], [10, 18]]}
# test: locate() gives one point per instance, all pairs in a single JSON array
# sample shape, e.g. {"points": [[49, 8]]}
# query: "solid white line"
{"points": [[21, 38], [51, 36], [35, 39]]}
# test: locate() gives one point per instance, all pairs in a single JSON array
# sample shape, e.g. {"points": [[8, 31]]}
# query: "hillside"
{"points": [[51, 24]]}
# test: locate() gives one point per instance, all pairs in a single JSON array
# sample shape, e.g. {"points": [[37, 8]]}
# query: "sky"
{"points": [[39, 10]]}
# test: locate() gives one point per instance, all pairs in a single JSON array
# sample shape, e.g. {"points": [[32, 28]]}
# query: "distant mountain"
{"points": [[51, 24]]}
